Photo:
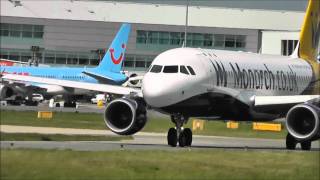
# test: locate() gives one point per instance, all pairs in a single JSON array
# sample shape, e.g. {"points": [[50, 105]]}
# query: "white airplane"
{"points": [[224, 85]]}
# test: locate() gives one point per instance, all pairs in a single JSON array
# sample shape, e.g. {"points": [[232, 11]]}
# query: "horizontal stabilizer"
{"points": [[100, 78]]}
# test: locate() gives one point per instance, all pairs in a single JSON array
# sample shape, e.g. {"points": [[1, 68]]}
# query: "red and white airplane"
{"points": [[7, 62], [222, 85]]}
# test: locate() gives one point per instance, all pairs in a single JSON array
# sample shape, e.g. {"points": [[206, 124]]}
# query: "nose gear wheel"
{"points": [[179, 135]]}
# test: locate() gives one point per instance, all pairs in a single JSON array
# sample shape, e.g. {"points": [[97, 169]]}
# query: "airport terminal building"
{"points": [[77, 32]]}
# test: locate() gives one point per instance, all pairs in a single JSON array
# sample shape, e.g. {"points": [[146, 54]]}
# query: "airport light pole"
{"points": [[186, 25]]}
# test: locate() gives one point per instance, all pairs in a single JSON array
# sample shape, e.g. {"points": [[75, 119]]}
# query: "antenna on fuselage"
{"points": [[184, 44]]}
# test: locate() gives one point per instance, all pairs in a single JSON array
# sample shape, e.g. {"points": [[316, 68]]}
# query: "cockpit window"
{"points": [[149, 68], [183, 70], [191, 70], [170, 69], [156, 69]]}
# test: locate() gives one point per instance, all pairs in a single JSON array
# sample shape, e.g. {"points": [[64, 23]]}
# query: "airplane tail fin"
{"points": [[309, 42], [114, 56], [310, 31]]}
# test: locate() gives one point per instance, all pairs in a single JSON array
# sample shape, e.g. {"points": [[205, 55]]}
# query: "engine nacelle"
{"points": [[134, 80], [303, 123], [125, 116], [5, 92], [53, 89]]}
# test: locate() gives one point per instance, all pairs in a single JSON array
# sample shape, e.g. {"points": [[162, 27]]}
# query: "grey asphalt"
{"points": [[151, 141], [157, 142]]}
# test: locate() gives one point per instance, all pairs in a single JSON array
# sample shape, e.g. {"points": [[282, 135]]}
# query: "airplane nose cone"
{"points": [[153, 91], [161, 91]]}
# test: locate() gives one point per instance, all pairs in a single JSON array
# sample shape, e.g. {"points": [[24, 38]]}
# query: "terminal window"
{"points": [[164, 37], [176, 38], [142, 37], [220, 41], [230, 41], [208, 40], [288, 46], [21, 30]]}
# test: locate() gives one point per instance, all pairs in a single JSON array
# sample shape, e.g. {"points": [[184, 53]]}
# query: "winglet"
{"points": [[113, 58]]}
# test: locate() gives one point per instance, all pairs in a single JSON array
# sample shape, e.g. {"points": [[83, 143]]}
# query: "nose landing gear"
{"points": [[180, 135]]}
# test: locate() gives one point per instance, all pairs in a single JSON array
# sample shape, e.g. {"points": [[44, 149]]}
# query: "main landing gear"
{"points": [[29, 102], [291, 143], [180, 135], [72, 104]]}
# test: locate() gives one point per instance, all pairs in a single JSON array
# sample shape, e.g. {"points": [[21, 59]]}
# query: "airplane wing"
{"points": [[73, 84], [12, 83], [282, 100]]}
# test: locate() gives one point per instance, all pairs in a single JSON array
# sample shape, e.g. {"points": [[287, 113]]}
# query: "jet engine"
{"points": [[303, 121], [133, 82], [126, 116], [5, 92]]}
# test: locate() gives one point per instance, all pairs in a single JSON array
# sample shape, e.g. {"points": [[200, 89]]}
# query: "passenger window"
{"points": [[183, 70], [170, 69], [191, 70], [156, 69]]}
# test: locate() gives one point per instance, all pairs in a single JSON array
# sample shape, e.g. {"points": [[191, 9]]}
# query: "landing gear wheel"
{"points": [[306, 145], [70, 104], [188, 134], [182, 139], [179, 134], [291, 142], [172, 137], [31, 103]]}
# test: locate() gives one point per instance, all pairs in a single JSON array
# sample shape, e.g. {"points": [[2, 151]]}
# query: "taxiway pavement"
{"points": [[141, 141]]}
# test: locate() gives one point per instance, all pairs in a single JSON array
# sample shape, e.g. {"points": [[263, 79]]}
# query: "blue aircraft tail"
{"points": [[113, 58]]}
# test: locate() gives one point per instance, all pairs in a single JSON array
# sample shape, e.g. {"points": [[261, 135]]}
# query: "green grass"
{"points": [[58, 137], [60, 119], [154, 124], [182, 164]]}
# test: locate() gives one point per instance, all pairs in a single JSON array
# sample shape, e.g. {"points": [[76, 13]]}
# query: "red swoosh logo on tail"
{"points": [[116, 60]]}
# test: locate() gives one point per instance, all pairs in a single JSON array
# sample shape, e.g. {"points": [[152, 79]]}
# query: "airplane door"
{"points": [[207, 67]]}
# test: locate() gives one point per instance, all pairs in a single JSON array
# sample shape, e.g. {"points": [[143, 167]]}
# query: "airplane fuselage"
{"points": [[73, 74], [224, 83], [70, 74]]}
